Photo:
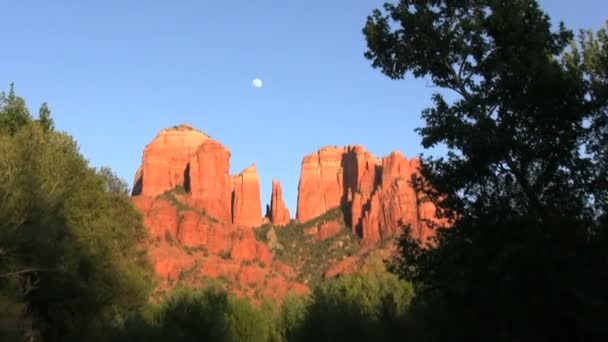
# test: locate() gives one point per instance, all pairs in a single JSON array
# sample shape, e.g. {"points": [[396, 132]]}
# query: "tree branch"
{"points": [[458, 84], [24, 271], [527, 188]]}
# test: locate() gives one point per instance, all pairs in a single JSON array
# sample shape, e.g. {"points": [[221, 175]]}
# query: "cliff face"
{"points": [[374, 193], [321, 184], [279, 214], [185, 157], [246, 204], [378, 192], [165, 159], [210, 184]]}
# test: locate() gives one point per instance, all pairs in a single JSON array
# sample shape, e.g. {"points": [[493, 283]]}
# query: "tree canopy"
{"points": [[523, 183], [71, 259]]}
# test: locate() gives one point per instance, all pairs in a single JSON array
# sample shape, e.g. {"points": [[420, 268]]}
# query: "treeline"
{"points": [[71, 252], [369, 306]]}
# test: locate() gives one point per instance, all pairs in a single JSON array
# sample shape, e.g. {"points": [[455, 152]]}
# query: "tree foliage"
{"points": [[13, 112], [206, 315], [71, 262], [360, 307], [365, 306], [44, 117], [523, 184]]}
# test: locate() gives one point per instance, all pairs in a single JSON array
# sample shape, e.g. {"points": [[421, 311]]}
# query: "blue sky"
{"points": [[117, 71]]}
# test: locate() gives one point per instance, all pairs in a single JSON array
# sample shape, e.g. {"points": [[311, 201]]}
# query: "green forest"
{"points": [[523, 188]]}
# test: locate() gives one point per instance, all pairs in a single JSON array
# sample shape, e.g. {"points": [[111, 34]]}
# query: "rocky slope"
{"points": [[207, 224]]}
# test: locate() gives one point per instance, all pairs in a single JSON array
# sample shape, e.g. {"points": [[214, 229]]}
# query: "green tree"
{"points": [[292, 314], [201, 315], [44, 117], [112, 183], [72, 262], [523, 184], [366, 306], [13, 112]]}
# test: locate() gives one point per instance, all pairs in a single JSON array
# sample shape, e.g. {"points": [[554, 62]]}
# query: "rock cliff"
{"points": [[165, 159], [375, 194], [278, 214], [183, 157], [246, 203]]}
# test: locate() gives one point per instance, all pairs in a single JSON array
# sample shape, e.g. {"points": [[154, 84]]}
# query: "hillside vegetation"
{"points": [[309, 258]]}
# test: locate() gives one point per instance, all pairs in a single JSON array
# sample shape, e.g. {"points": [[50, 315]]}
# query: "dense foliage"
{"points": [[70, 259], [523, 184], [360, 307], [367, 306]]}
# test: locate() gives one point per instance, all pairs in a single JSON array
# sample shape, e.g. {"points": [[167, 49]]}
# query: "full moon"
{"points": [[257, 83]]}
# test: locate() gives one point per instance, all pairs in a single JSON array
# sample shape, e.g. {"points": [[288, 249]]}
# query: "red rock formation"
{"points": [[321, 186], [263, 254], [327, 230], [279, 214], [246, 201], [331, 176], [218, 249], [244, 250], [221, 243], [165, 159], [379, 193], [215, 267], [183, 156], [170, 262], [160, 217], [210, 182], [250, 275], [347, 266], [395, 203]]}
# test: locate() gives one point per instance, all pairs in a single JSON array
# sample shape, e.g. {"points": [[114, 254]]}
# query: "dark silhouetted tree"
{"points": [[523, 184]]}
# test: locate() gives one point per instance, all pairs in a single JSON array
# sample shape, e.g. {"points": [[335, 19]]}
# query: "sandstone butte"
{"points": [[377, 192], [375, 196], [213, 216], [182, 156]]}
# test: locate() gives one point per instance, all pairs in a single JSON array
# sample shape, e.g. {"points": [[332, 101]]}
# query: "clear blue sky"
{"points": [[117, 71]]}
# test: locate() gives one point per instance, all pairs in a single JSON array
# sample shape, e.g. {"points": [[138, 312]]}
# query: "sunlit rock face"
{"points": [[278, 212], [376, 194], [246, 203], [184, 157], [165, 159]]}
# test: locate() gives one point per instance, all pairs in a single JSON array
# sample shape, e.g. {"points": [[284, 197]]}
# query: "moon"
{"points": [[257, 83]]}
